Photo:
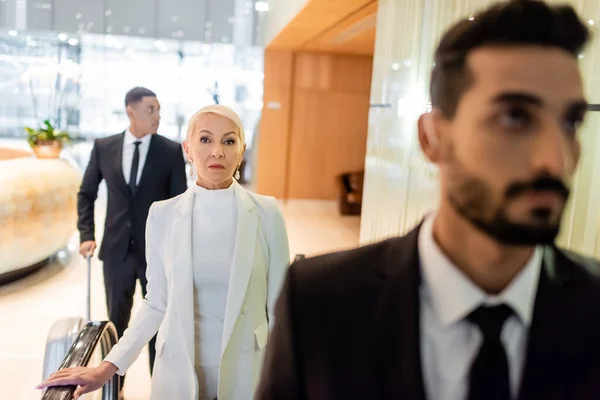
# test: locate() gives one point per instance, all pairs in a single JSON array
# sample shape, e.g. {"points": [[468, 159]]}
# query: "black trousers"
{"points": [[120, 278]]}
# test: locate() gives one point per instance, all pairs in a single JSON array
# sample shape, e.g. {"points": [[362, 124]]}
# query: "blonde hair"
{"points": [[220, 110]]}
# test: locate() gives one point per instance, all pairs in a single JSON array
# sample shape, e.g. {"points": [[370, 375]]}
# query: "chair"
{"points": [[351, 191]]}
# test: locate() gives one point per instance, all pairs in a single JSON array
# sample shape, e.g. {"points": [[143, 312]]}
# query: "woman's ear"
{"points": [[242, 156]]}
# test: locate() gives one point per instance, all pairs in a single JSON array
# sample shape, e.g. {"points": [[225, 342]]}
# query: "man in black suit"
{"points": [[139, 167], [477, 302]]}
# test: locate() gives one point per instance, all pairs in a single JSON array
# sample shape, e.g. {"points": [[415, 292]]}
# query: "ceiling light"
{"points": [[471, 18], [108, 13], [78, 16], [591, 22], [73, 42], [396, 66], [13, 33], [261, 6], [62, 36]]}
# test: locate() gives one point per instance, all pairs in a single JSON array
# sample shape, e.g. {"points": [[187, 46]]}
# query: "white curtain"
{"points": [[400, 185]]}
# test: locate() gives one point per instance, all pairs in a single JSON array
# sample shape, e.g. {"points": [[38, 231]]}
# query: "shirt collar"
{"points": [[130, 138], [454, 295]]}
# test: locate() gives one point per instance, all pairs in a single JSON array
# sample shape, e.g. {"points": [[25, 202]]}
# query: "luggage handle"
{"points": [[89, 288]]}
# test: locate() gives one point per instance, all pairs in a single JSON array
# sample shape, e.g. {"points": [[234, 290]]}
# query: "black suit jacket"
{"points": [[163, 177], [347, 327]]}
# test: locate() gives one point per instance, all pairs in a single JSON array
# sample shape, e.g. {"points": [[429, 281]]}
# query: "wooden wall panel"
{"points": [[307, 142], [278, 68], [320, 131], [313, 71], [330, 122], [354, 34], [317, 17], [351, 74], [272, 145], [328, 138]]}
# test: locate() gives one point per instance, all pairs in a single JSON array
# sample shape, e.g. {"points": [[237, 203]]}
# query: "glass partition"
{"points": [[80, 82]]}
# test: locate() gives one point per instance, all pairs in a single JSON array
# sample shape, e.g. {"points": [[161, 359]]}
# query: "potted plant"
{"points": [[46, 142]]}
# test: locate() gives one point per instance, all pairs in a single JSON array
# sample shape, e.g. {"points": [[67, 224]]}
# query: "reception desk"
{"points": [[38, 210]]}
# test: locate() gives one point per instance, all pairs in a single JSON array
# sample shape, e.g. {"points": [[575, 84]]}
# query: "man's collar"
{"points": [[454, 295], [130, 138]]}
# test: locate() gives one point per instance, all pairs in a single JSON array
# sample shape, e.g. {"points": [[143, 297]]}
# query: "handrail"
{"points": [[101, 333]]}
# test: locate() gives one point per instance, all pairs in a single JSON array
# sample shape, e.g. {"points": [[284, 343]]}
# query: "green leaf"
{"points": [[62, 136], [45, 133], [49, 128]]}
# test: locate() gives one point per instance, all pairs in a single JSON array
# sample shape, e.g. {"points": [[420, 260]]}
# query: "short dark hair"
{"points": [[517, 22], [136, 95]]}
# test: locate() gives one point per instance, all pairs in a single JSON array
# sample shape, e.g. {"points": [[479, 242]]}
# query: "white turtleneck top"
{"points": [[214, 223]]}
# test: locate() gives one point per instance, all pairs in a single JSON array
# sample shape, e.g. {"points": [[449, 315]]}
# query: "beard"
{"points": [[472, 198]]}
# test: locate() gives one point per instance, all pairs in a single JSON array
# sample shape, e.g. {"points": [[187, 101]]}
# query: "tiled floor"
{"points": [[29, 307]]}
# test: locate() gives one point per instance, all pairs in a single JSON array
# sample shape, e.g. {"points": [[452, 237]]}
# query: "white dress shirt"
{"points": [[449, 343], [213, 238], [129, 149]]}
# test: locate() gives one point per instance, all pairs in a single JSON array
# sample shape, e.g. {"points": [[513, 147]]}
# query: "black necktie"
{"points": [[134, 168], [489, 378]]}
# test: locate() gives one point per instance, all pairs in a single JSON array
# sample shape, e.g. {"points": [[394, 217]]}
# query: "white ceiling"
{"points": [[223, 21]]}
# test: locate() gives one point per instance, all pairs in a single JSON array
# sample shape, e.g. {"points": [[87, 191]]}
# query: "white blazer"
{"points": [[260, 260]]}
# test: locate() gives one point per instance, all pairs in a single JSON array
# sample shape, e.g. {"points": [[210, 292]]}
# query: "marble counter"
{"points": [[38, 210]]}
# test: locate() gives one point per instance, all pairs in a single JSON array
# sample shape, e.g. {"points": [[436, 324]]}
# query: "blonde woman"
{"points": [[217, 255]]}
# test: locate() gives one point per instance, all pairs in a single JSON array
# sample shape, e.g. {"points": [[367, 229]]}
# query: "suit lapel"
{"points": [[546, 334], [151, 161], [243, 261], [400, 322], [118, 166], [550, 358], [183, 278]]}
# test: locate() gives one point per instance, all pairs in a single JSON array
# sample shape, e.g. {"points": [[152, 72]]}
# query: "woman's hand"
{"points": [[87, 379]]}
